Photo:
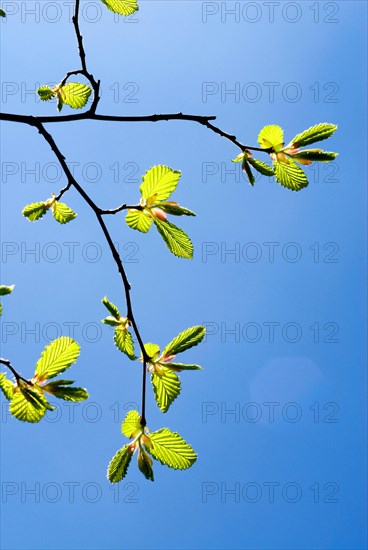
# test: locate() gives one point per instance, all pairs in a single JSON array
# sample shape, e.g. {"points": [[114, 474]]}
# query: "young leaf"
{"points": [[166, 387], [152, 350], [315, 155], [124, 341], [34, 211], [271, 136], [145, 464], [4, 290], [62, 213], [185, 340], [131, 426], [75, 94], [290, 175], [61, 391], [139, 220], [176, 240], [315, 133], [175, 209], [58, 356], [239, 158], [111, 321], [180, 366], [28, 405], [160, 181], [45, 93], [248, 171], [171, 449], [122, 7], [6, 386], [111, 308], [261, 167], [118, 466]]}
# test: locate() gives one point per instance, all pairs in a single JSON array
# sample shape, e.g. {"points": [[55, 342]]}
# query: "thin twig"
{"points": [[17, 376]]}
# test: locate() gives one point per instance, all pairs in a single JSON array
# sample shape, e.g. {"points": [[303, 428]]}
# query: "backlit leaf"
{"points": [[145, 464], [315, 155], [290, 175], [4, 290], [176, 240], [62, 213], [45, 93], [171, 449], [6, 386], [160, 181], [261, 167], [75, 94], [315, 133], [122, 7], [124, 341], [271, 136], [139, 220], [131, 426], [175, 209], [118, 466], [111, 308], [58, 356], [166, 387], [28, 405], [34, 211], [187, 339]]}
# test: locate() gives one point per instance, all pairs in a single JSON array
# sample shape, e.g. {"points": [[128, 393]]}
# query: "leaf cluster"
{"points": [[28, 401]]}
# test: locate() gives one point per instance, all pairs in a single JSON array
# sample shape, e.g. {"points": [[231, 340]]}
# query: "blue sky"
{"points": [[278, 414]]}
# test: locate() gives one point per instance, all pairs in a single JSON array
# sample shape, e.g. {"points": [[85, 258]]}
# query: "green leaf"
{"points": [[152, 350], [124, 341], [4, 290], [131, 426], [111, 321], [187, 339], [75, 94], [6, 386], [2, 13], [171, 449], [58, 356], [239, 158], [315, 155], [166, 387], [290, 175], [175, 209], [62, 213], [28, 405], [60, 100], [118, 466], [248, 171], [60, 391], [160, 181], [122, 7], [315, 133], [180, 366], [271, 136], [139, 220], [176, 240], [45, 93], [111, 308], [34, 211], [145, 464], [261, 167]]}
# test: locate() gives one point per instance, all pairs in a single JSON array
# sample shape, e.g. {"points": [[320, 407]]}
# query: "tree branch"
{"points": [[88, 115], [99, 213]]}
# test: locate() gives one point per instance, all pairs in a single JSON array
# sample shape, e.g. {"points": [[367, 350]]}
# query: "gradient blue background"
{"points": [[168, 53]]}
